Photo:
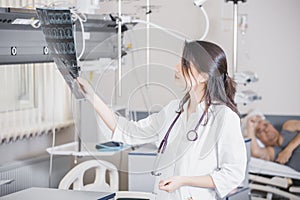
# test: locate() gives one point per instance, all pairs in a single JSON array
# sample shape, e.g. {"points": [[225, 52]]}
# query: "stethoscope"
{"points": [[191, 135]]}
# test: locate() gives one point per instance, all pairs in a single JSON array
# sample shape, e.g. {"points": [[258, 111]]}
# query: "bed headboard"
{"points": [[278, 120]]}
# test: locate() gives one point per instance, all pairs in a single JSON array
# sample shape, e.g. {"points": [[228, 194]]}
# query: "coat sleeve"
{"points": [[232, 156], [144, 131]]}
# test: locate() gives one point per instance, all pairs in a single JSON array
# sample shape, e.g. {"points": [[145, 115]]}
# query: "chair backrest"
{"points": [[75, 177]]}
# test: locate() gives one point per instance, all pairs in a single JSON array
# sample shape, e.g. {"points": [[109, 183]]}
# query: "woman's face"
{"points": [[178, 76], [192, 80]]}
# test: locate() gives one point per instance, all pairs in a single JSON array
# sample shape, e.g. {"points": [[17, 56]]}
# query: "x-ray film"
{"points": [[59, 34]]}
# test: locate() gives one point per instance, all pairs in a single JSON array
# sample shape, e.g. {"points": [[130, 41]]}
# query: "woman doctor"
{"points": [[202, 151]]}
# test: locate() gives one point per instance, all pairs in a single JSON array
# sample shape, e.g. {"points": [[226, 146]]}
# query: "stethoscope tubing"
{"points": [[163, 143]]}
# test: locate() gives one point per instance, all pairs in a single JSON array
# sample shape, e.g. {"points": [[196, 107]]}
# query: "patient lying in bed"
{"points": [[282, 147]]}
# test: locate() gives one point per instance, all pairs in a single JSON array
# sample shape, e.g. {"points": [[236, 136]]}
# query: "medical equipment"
{"points": [[243, 25], [245, 77], [191, 135], [120, 39], [199, 2], [16, 22], [246, 97]]}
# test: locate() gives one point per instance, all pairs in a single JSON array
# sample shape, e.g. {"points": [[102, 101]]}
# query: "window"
{"points": [[34, 100], [17, 87]]}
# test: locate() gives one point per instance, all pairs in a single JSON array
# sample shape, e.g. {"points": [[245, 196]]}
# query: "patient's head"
{"points": [[266, 133]]}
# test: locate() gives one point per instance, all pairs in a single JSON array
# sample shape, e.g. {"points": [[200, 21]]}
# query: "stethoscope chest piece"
{"points": [[192, 135]]}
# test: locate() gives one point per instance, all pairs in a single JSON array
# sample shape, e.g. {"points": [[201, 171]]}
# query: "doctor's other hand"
{"points": [[86, 88], [171, 184]]}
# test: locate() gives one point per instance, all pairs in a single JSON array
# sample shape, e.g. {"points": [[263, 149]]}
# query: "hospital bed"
{"points": [[273, 179]]}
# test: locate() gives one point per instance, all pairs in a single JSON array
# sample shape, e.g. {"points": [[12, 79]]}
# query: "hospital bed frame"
{"points": [[279, 180]]}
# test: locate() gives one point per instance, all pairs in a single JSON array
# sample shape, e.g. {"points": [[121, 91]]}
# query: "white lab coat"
{"points": [[222, 133]]}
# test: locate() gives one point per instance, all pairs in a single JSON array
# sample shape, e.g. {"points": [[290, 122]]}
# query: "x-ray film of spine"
{"points": [[59, 34]]}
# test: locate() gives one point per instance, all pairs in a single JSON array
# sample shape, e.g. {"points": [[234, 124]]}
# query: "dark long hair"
{"points": [[209, 58]]}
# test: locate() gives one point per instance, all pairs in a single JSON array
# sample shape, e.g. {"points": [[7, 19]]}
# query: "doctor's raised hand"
{"points": [[213, 162], [86, 88]]}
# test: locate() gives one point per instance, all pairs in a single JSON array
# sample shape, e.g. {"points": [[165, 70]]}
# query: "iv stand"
{"points": [[235, 31], [235, 35]]}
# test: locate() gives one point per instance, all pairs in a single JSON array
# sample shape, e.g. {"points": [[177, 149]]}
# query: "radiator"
{"points": [[33, 173]]}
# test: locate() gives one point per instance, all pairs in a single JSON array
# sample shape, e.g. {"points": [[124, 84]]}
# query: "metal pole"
{"points": [[235, 32], [78, 128], [148, 42], [120, 47], [78, 113]]}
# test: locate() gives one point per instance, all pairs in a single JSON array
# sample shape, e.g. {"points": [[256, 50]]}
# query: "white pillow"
{"points": [[260, 144]]}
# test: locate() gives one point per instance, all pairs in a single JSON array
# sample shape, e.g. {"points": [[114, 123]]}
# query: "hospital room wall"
{"points": [[268, 48]]}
